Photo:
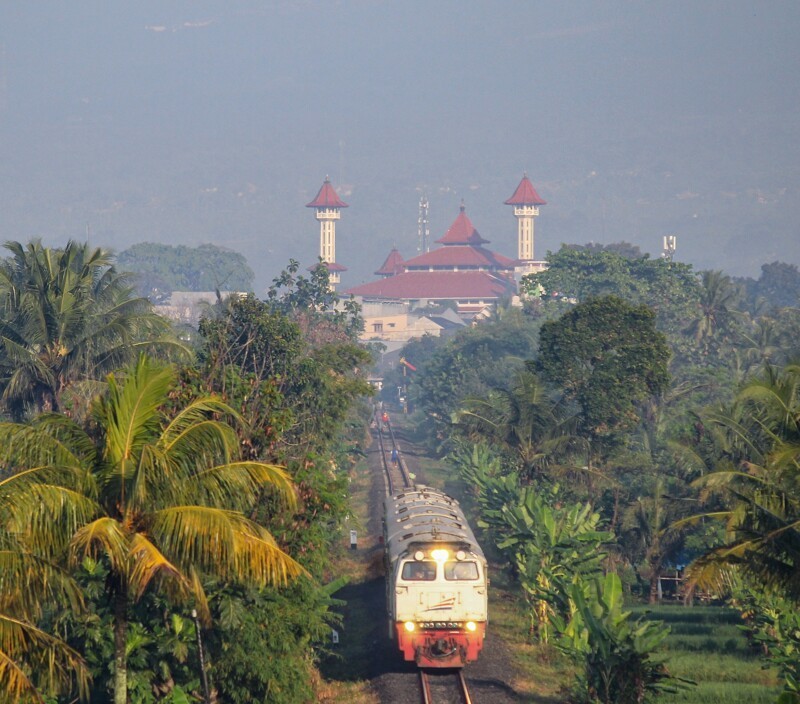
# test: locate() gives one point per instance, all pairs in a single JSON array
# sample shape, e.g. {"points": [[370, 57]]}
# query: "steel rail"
{"points": [[462, 683], [425, 686]]}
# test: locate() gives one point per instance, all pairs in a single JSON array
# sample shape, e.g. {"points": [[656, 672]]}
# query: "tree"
{"points": [[551, 544], [67, 315], [163, 268], [526, 420], [158, 499], [778, 285], [713, 321], [33, 662], [616, 652], [469, 364], [756, 475], [607, 355]]}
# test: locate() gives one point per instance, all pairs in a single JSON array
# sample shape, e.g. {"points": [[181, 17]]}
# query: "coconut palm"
{"points": [[718, 296], [66, 315], [759, 480], [524, 420], [33, 661], [159, 498]]}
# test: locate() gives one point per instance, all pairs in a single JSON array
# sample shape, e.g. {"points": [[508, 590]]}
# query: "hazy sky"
{"points": [[191, 122]]}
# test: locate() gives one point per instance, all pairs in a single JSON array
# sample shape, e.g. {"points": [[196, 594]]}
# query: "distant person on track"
{"points": [[385, 419], [394, 456]]}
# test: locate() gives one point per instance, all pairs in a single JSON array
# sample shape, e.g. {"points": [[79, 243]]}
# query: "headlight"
{"points": [[440, 555], [409, 626], [471, 625]]}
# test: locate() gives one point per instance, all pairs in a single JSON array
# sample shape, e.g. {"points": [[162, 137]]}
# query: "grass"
{"points": [[706, 646], [341, 684]]}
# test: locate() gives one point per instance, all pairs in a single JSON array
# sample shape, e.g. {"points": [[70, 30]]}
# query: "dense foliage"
{"points": [[162, 268], [67, 317], [116, 512], [661, 398]]}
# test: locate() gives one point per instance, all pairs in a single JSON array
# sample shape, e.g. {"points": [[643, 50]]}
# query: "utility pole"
{"points": [[201, 658]]}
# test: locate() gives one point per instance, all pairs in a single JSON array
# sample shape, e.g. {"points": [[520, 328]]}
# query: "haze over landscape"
{"points": [[195, 122]]}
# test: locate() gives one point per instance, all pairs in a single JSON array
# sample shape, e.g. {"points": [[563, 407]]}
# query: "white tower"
{"points": [[526, 202], [327, 205]]}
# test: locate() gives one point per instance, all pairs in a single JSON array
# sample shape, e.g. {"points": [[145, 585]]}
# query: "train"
{"points": [[436, 579]]}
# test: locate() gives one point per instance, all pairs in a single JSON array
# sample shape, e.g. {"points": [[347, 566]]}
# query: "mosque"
{"points": [[461, 277]]}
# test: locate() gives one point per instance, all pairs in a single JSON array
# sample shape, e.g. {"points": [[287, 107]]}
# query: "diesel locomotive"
{"points": [[436, 580]]}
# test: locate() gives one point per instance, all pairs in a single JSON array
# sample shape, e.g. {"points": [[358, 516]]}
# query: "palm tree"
{"points": [[759, 481], [524, 419], [67, 316], [32, 660], [159, 498], [717, 298]]}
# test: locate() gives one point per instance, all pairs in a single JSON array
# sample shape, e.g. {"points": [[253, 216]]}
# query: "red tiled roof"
{"points": [[525, 194], [462, 231], [327, 197], [331, 266], [444, 285], [460, 256], [392, 265]]}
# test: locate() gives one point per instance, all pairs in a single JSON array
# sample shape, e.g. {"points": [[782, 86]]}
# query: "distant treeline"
{"points": [[161, 269]]}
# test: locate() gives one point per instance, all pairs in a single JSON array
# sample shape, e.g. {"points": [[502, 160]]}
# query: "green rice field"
{"points": [[705, 645]]}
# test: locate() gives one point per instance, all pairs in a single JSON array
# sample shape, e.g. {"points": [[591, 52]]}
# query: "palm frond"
{"points": [[27, 581], [44, 517], [223, 543], [148, 563], [237, 484], [103, 536], [25, 648]]}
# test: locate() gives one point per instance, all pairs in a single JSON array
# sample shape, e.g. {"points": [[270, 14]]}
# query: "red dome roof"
{"points": [[462, 231], [392, 265], [525, 194], [327, 197]]}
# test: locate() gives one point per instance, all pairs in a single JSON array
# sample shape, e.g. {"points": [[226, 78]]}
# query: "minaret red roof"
{"points": [[462, 231], [327, 197], [526, 194], [392, 265], [330, 266]]}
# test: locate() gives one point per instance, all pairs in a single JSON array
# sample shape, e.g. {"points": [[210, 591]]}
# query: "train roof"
{"points": [[421, 516]]}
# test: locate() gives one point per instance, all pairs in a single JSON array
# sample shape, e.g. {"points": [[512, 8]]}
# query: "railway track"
{"points": [[396, 472], [444, 687]]}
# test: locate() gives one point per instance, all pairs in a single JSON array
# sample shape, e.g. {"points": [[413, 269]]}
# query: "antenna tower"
{"points": [[423, 229], [670, 245]]}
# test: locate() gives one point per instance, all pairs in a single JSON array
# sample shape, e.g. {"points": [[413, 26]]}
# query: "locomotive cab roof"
{"points": [[421, 517]]}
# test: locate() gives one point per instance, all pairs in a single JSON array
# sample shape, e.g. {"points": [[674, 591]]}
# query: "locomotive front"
{"points": [[436, 579]]}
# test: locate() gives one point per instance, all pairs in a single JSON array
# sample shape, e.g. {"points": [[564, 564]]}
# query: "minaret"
{"points": [[327, 205], [526, 202]]}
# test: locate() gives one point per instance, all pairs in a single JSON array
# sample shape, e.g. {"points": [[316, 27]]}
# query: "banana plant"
{"points": [[550, 546], [617, 652]]}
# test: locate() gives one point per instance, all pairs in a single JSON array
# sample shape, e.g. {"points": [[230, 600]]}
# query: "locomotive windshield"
{"points": [[419, 571], [457, 571]]}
